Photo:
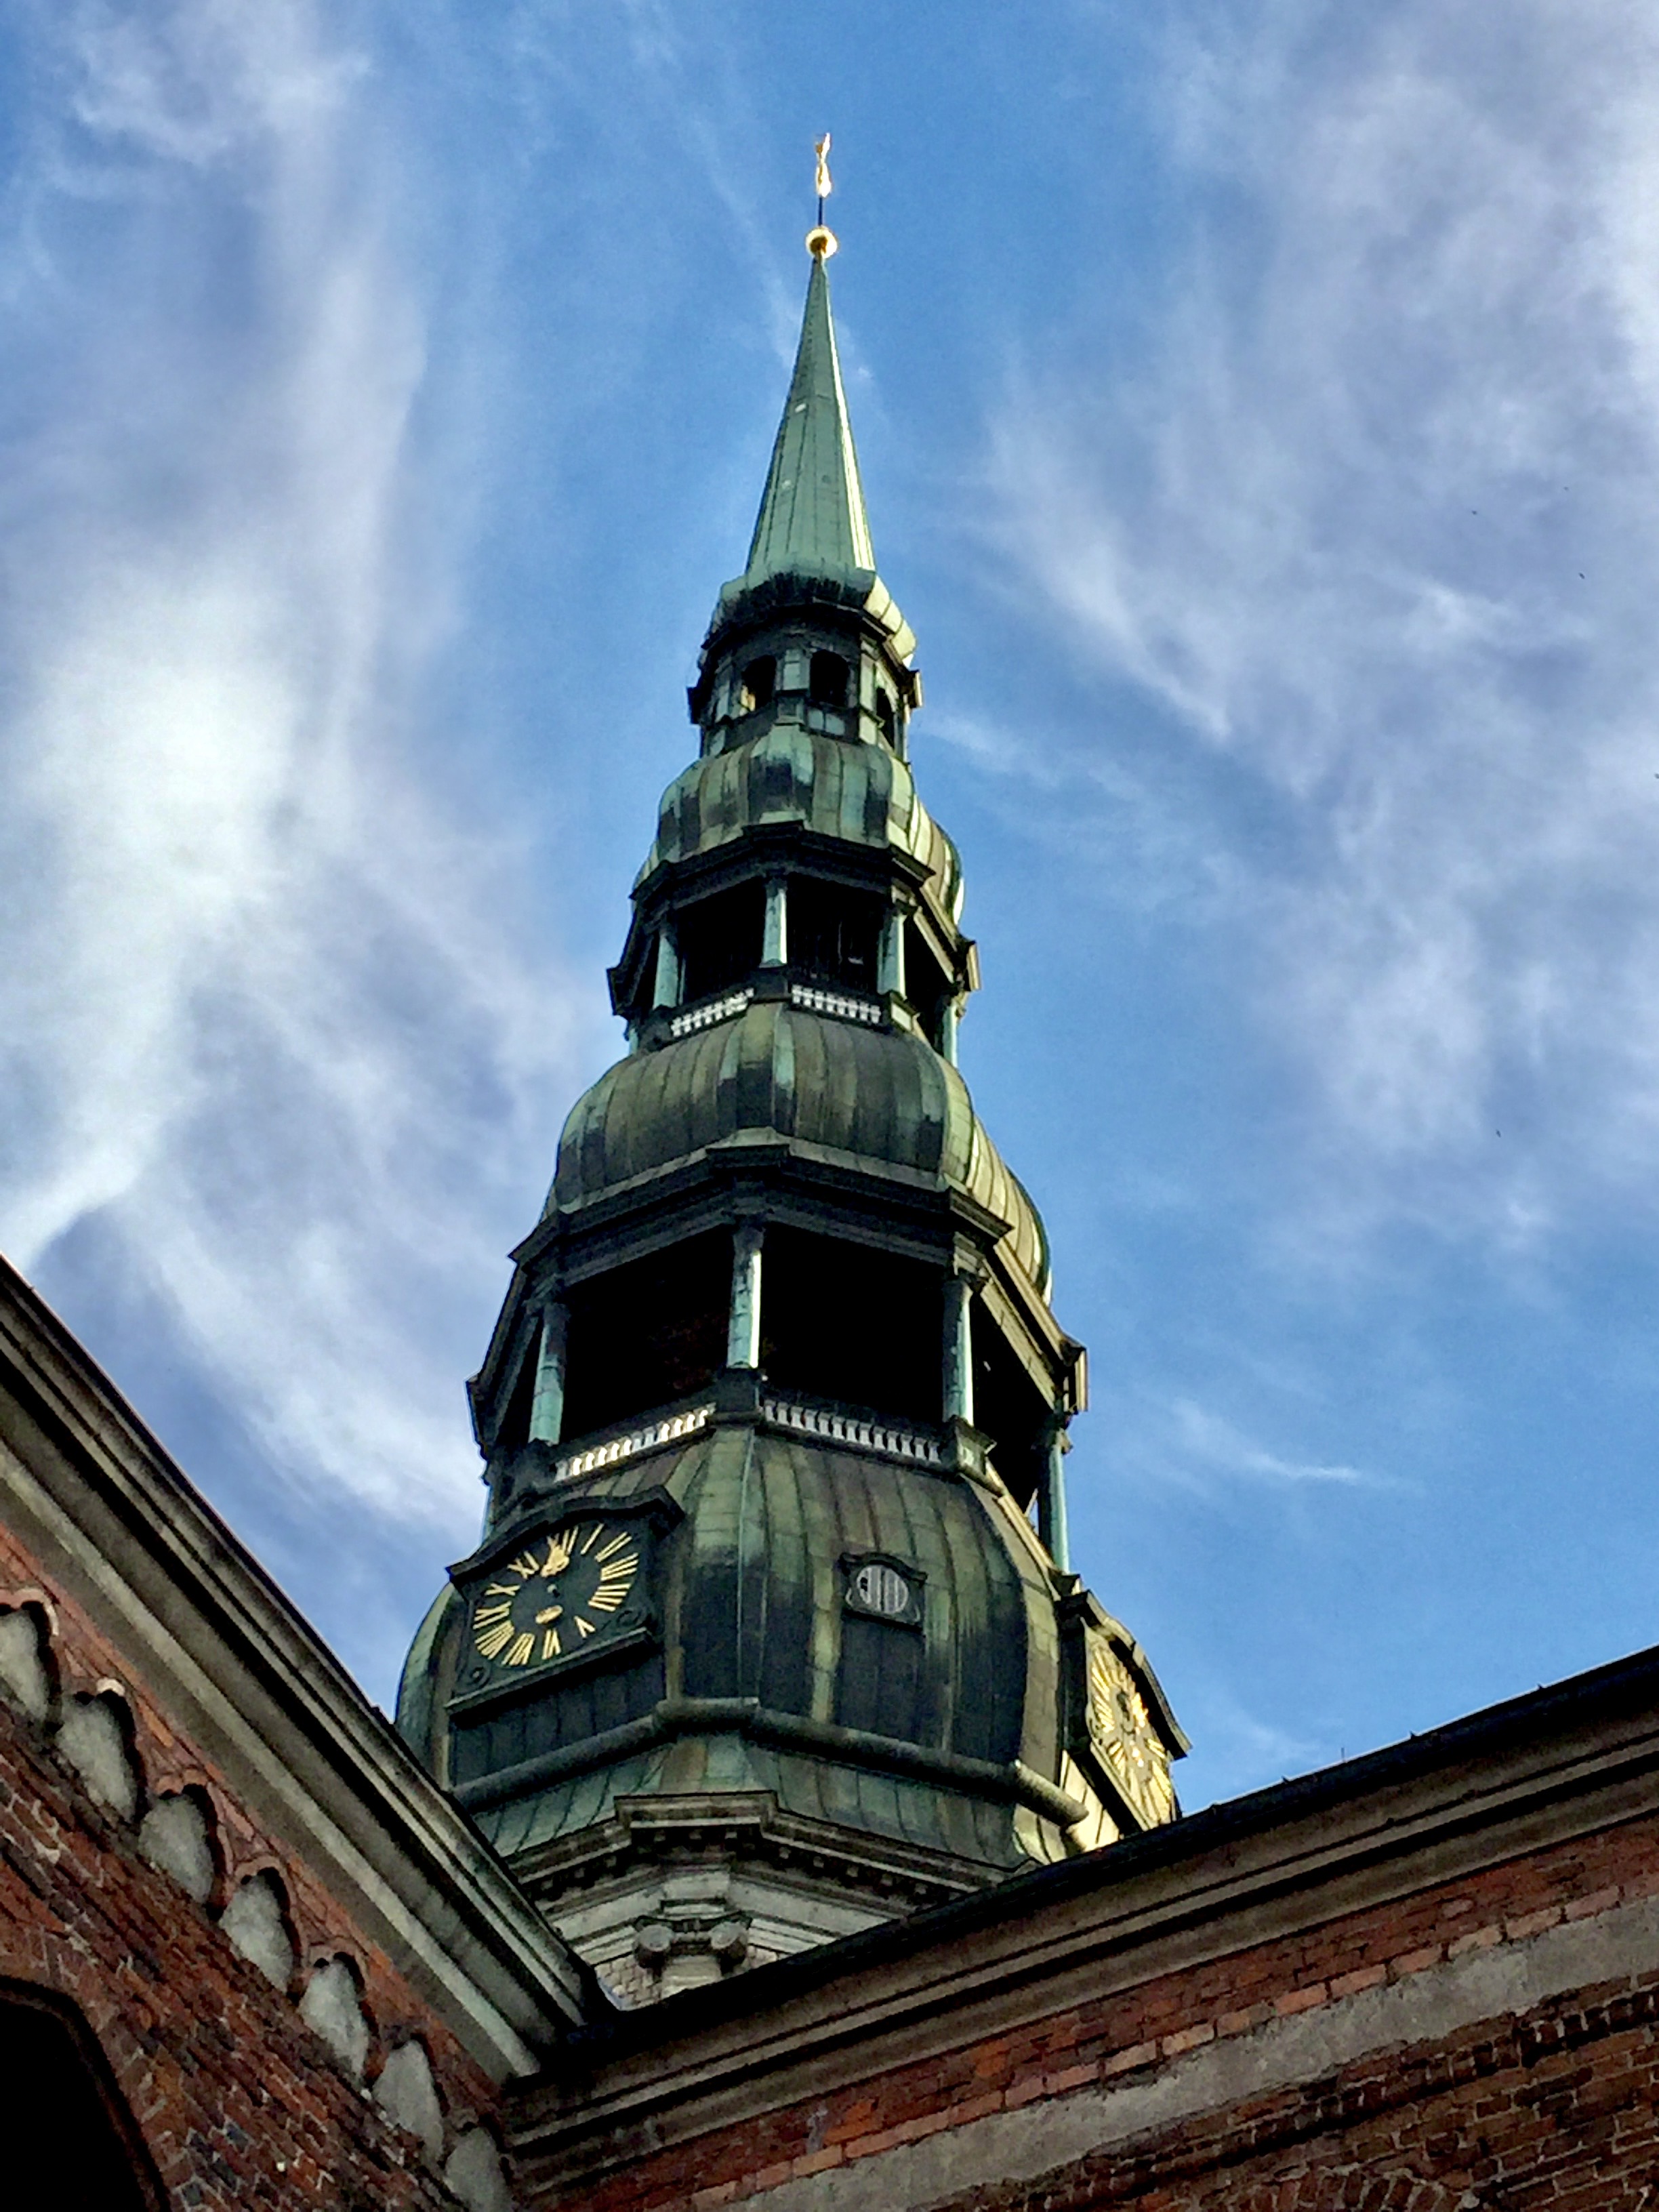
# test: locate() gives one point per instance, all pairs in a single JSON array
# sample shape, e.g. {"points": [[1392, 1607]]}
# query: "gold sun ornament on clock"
{"points": [[559, 1590]]}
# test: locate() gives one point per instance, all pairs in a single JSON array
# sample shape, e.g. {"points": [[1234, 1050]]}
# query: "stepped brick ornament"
{"points": [[762, 1645]]}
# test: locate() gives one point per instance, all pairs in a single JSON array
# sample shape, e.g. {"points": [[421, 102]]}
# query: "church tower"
{"points": [[771, 1634]]}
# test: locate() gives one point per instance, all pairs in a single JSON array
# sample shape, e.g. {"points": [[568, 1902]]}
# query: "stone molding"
{"points": [[1574, 1762], [1037, 2128]]}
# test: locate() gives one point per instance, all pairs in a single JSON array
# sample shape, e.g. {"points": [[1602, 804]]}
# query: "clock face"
{"points": [[1125, 1738], [563, 1589]]}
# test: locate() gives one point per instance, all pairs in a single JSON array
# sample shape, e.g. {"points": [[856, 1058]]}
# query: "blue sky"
{"points": [[1259, 409]]}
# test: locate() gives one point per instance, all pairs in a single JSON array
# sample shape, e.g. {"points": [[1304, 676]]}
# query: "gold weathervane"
{"points": [[821, 242]]}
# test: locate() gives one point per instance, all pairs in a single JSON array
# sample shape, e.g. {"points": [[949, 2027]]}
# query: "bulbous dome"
{"points": [[752, 1587], [880, 1097], [861, 794]]}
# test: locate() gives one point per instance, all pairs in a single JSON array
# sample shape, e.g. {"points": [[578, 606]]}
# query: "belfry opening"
{"points": [[781, 1352]]}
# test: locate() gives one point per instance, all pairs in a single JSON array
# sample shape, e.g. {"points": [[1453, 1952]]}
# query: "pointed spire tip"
{"points": [[811, 517]]}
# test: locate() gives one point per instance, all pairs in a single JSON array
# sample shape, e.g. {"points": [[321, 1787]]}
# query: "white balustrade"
{"points": [[704, 1018], [843, 1005], [888, 1439], [614, 1448]]}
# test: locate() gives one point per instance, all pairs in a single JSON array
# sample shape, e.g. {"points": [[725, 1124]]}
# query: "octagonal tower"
{"points": [[771, 1633]]}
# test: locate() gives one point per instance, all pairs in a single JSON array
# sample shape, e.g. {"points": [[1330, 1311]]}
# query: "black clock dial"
{"points": [[554, 1595]]}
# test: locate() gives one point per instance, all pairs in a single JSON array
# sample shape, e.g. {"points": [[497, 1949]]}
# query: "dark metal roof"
{"points": [[752, 1589], [811, 513], [869, 1096], [793, 776]]}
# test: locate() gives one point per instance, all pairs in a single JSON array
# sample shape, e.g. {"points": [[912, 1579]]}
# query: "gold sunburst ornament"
{"points": [[821, 241], [547, 1602]]}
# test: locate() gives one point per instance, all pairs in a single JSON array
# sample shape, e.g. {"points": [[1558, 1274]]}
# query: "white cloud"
{"points": [[1207, 1442], [265, 1015], [1379, 524], [1175, 1441]]}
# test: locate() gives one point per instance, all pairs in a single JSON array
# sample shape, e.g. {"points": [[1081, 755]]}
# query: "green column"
{"points": [[742, 1332], [958, 1362], [547, 1404], [1051, 1496], [890, 974], [667, 991], [774, 949], [947, 1030]]}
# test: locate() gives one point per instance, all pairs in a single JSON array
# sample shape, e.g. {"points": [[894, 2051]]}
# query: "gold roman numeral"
{"points": [[550, 1645]]}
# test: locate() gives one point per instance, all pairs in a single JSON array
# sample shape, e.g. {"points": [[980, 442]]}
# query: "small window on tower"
{"points": [[883, 1589], [829, 679], [760, 681]]}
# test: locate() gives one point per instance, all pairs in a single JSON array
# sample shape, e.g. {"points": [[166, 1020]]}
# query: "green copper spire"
{"points": [[811, 517]]}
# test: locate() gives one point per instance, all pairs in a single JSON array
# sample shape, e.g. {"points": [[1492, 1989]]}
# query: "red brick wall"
{"points": [[1552, 2108], [238, 2101]]}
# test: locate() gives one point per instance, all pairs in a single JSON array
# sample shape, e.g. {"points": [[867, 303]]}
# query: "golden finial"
{"points": [[821, 242]]}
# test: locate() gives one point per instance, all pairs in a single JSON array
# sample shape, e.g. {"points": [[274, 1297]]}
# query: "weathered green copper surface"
{"points": [[880, 1096], [795, 775], [811, 540], [751, 1589], [811, 515]]}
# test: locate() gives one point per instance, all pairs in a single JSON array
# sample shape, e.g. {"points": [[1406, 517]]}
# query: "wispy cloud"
{"points": [[1174, 1441], [1377, 529], [1206, 1442], [267, 1026]]}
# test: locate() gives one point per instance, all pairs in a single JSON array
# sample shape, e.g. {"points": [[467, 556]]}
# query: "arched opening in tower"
{"points": [[834, 932], [1009, 1409], [828, 678], [647, 1333], [927, 985], [760, 681], [719, 939], [852, 1324]]}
